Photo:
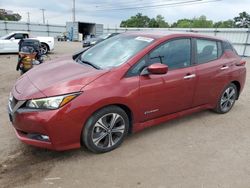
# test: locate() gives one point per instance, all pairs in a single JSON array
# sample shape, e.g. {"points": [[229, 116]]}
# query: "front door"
{"points": [[172, 92]]}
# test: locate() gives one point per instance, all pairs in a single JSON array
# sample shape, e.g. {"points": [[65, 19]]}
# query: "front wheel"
{"points": [[106, 129], [227, 99], [44, 49]]}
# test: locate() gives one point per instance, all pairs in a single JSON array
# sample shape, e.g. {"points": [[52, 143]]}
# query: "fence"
{"points": [[33, 28], [240, 38]]}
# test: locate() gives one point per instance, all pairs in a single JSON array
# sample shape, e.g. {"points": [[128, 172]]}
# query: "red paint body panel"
{"points": [[152, 99]]}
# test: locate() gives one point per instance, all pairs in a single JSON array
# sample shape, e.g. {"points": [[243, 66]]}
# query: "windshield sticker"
{"points": [[145, 39]]}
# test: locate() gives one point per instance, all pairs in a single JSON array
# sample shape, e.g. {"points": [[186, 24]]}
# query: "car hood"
{"points": [[56, 77]]}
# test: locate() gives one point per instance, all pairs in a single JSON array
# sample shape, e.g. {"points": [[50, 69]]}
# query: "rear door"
{"points": [[212, 70]]}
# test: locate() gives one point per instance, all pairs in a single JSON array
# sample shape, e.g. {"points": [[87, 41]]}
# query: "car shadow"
{"points": [[29, 163]]}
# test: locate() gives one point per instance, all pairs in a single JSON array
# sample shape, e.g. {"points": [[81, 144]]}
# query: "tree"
{"points": [[144, 21], [9, 17], [224, 24], [153, 23], [243, 20], [161, 21], [136, 21], [202, 22], [183, 23]]}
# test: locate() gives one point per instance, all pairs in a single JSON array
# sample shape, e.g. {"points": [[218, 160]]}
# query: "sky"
{"points": [[109, 13]]}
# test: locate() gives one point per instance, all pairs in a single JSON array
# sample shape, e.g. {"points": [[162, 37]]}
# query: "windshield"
{"points": [[115, 50]]}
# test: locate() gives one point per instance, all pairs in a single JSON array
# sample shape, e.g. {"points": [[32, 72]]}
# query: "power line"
{"points": [[182, 3], [132, 3]]}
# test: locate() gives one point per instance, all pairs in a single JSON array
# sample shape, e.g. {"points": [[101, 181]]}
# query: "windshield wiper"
{"points": [[89, 63]]}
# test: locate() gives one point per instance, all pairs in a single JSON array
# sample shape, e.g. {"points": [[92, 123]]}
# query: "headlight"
{"points": [[51, 102]]}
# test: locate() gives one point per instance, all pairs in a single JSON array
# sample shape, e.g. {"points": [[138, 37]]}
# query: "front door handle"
{"points": [[224, 67], [189, 76]]}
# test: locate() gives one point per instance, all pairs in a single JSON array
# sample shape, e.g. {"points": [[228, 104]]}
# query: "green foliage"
{"points": [[136, 21], [9, 17], [243, 20], [183, 23], [144, 21], [202, 22], [161, 21], [224, 24]]}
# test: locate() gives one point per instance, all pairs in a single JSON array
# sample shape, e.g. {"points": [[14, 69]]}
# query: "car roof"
{"points": [[25, 32], [162, 34]]}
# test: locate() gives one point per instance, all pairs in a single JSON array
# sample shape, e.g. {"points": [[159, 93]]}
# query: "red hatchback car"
{"points": [[123, 85]]}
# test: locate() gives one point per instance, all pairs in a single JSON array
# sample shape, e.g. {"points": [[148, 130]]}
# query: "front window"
{"points": [[176, 54], [115, 51]]}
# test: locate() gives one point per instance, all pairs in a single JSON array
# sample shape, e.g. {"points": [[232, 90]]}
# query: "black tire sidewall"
{"points": [[88, 128]]}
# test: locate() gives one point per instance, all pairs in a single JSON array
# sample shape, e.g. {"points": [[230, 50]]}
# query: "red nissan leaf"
{"points": [[123, 85]]}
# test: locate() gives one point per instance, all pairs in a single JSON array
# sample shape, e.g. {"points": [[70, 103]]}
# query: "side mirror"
{"points": [[158, 68], [12, 38]]}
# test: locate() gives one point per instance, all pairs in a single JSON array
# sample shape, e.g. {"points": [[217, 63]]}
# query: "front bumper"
{"points": [[59, 129]]}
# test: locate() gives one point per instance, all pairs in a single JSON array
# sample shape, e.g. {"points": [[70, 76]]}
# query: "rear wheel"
{"points": [[106, 129], [227, 99]]}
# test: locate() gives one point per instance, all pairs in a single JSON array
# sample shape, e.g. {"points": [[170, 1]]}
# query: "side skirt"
{"points": [[140, 126]]}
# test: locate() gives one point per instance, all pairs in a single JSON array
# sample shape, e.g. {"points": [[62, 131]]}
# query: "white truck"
{"points": [[9, 42]]}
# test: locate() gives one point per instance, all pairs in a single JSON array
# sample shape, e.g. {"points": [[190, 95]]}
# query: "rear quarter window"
{"points": [[228, 46]]}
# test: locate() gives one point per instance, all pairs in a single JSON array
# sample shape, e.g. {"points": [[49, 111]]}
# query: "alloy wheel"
{"points": [[108, 130], [44, 49], [228, 99]]}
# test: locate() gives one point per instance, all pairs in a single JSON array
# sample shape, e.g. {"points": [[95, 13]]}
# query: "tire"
{"points": [[44, 48], [227, 99], [100, 134]]}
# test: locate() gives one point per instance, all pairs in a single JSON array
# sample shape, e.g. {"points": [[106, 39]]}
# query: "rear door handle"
{"points": [[224, 67], [189, 76]]}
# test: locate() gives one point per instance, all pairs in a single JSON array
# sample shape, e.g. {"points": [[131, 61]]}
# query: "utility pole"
{"points": [[28, 19], [42, 9], [74, 11]]}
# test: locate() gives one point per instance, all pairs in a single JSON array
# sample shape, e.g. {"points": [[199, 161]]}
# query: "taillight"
{"points": [[241, 63]]}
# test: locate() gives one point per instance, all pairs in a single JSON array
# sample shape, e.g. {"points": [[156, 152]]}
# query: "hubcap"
{"points": [[227, 99], [108, 130]]}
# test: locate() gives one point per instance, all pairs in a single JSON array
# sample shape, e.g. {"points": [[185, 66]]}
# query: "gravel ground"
{"points": [[204, 150]]}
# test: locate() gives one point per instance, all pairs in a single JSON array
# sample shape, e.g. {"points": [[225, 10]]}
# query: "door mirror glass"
{"points": [[158, 68]]}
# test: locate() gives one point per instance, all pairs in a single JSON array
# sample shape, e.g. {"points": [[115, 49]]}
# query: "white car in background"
{"points": [[9, 42]]}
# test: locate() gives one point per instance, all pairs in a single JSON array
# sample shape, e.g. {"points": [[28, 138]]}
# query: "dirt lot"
{"points": [[204, 150]]}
